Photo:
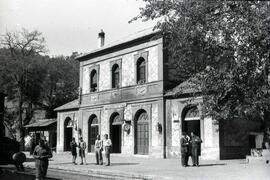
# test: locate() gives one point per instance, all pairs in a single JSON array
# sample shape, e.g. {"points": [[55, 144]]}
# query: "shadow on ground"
{"points": [[220, 164], [123, 164]]}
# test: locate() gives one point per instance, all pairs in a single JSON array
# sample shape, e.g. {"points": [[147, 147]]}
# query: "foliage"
{"points": [[32, 80], [225, 44]]}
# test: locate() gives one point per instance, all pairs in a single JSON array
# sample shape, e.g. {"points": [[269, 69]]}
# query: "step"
{"points": [[254, 160]]}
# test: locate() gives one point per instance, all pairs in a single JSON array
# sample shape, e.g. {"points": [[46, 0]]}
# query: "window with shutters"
{"points": [[141, 71], [115, 76], [93, 81]]}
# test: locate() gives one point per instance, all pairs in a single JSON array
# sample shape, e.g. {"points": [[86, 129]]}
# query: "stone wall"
{"points": [[128, 111], [208, 129], [61, 117], [127, 70]]}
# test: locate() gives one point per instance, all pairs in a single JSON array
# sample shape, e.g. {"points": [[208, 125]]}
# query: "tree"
{"points": [[224, 45], [61, 83], [21, 76]]}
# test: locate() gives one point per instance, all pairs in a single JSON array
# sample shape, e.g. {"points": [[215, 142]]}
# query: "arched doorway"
{"points": [[191, 121], [92, 132], [116, 132], [141, 133], [68, 125]]}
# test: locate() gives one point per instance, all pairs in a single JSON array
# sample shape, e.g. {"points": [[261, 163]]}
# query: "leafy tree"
{"points": [[61, 83], [21, 75], [224, 46]]}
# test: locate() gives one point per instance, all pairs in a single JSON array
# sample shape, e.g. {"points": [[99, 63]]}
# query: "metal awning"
{"points": [[41, 123]]}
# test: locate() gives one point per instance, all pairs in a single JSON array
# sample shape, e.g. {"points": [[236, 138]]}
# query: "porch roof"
{"points": [[42, 123], [70, 105], [189, 86]]}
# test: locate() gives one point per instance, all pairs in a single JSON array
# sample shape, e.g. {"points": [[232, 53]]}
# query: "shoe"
{"points": [[194, 165], [75, 163], [81, 163], [107, 165], [101, 164]]}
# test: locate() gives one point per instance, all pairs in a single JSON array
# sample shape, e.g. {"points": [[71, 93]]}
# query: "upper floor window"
{"points": [[93, 81], [115, 76], [141, 71]]}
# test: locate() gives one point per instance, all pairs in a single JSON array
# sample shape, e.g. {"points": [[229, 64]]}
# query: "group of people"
{"points": [[190, 146], [100, 146]]}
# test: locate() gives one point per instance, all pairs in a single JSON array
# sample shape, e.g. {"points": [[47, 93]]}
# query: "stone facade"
{"points": [[175, 110], [139, 117]]}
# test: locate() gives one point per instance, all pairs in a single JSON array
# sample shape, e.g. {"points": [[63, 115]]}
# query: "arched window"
{"points": [[141, 73], [93, 81], [115, 76]]}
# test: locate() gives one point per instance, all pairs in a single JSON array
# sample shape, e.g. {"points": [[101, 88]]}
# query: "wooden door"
{"points": [[92, 138], [142, 135]]}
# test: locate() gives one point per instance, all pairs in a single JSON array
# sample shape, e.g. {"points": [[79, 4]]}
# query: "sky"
{"points": [[72, 25]]}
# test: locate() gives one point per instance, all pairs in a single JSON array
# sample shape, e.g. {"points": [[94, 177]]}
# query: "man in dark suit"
{"points": [[184, 141], [195, 148]]}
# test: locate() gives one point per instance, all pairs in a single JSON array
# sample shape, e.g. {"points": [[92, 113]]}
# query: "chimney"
{"points": [[101, 39]]}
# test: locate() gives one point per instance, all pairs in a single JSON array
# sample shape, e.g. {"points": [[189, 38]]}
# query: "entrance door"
{"points": [[142, 134], [92, 139], [92, 132], [116, 133], [68, 134], [116, 138], [191, 121]]}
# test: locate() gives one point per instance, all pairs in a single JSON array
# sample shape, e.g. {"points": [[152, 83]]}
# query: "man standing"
{"points": [[42, 153], [98, 150], [195, 148], [184, 141], [82, 147], [73, 146], [107, 143]]}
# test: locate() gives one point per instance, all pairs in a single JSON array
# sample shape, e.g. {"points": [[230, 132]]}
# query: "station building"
{"points": [[128, 91]]}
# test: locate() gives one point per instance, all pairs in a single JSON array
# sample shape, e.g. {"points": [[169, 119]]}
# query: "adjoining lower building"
{"points": [[128, 91]]}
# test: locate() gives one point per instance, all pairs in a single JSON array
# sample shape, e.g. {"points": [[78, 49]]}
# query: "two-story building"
{"points": [[126, 92]]}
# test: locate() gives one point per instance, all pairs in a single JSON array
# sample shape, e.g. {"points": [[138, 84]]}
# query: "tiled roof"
{"points": [[42, 123], [70, 105], [187, 87], [139, 34]]}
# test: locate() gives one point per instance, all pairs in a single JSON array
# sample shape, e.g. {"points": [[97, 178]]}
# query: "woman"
{"points": [[42, 153]]}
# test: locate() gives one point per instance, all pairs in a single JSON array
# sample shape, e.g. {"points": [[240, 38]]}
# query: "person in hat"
{"points": [[184, 142]]}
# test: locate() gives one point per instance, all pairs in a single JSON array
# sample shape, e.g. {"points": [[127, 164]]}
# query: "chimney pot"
{"points": [[101, 38]]}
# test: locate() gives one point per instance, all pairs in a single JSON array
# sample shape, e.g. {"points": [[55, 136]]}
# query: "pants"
{"points": [[107, 154], [41, 168], [184, 159], [74, 156], [99, 156], [195, 155]]}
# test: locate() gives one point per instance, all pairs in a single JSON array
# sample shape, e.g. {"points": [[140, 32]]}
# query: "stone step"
{"points": [[254, 160]]}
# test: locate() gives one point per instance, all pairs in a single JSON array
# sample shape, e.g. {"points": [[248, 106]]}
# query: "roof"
{"points": [[138, 35], [42, 123], [70, 105], [187, 87]]}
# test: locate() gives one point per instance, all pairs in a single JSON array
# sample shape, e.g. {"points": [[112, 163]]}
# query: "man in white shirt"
{"points": [[98, 150], [107, 143]]}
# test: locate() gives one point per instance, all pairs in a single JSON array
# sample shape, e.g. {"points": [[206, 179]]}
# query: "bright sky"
{"points": [[70, 25]]}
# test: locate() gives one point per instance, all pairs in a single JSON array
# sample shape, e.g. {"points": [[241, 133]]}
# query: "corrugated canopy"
{"points": [[42, 123]]}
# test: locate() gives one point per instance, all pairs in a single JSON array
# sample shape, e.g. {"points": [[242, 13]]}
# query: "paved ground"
{"points": [[148, 168]]}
